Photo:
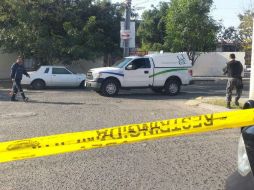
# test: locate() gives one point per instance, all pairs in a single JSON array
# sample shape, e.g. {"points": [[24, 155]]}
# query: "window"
{"points": [[121, 63], [141, 63], [57, 71], [46, 70]]}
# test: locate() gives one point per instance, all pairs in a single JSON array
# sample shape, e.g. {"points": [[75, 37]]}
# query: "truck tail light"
{"points": [[190, 72]]}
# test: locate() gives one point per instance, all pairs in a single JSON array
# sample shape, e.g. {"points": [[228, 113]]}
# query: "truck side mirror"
{"points": [[131, 67]]}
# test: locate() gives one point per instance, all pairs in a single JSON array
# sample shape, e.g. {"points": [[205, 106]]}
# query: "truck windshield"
{"points": [[121, 63]]}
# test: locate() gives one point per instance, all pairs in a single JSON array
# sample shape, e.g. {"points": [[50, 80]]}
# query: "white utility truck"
{"points": [[160, 72]]}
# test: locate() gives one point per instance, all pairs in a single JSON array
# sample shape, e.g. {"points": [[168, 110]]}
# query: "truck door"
{"points": [[137, 72]]}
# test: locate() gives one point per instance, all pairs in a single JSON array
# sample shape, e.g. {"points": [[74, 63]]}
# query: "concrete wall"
{"points": [[6, 60], [82, 66], [211, 64]]}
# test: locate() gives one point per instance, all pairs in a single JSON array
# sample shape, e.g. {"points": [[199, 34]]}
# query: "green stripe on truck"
{"points": [[167, 71]]}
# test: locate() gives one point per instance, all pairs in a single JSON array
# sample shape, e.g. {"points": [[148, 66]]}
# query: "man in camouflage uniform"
{"points": [[234, 71], [17, 71]]}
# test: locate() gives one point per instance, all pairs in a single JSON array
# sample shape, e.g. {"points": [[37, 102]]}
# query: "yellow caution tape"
{"points": [[70, 142]]}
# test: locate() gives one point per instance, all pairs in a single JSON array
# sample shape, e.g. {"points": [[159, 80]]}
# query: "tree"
{"points": [[190, 28], [245, 28], [104, 29], [152, 29], [230, 39], [59, 30]]}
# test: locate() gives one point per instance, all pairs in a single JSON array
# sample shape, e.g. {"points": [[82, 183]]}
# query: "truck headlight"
{"points": [[243, 160], [96, 75]]}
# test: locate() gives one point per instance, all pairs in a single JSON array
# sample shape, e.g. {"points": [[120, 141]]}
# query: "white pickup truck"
{"points": [[160, 72]]}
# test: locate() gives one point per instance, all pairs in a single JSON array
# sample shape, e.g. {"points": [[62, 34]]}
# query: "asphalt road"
{"points": [[195, 162]]}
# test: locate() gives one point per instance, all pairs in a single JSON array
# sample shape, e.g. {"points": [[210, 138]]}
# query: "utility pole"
{"points": [[127, 27], [251, 95]]}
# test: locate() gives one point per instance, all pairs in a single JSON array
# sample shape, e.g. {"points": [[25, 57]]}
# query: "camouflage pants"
{"points": [[17, 87], [238, 85]]}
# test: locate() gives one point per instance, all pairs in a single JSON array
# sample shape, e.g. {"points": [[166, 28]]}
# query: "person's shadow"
{"points": [[5, 96], [55, 103]]}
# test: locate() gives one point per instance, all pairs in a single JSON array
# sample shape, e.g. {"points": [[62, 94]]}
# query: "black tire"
{"points": [[172, 87], [38, 84], [82, 84], [249, 104], [110, 88], [98, 92], [157, 90]]}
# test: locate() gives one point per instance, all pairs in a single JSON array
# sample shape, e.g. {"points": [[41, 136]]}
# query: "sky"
{"points": [[225, 10]]}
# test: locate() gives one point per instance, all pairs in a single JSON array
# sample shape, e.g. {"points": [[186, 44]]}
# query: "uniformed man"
{"points": [[234, 71], [17, 70]]}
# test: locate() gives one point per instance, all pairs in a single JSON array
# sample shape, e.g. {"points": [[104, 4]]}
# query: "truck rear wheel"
{"points": [[172, 87], [110, 88], [38, 84]]}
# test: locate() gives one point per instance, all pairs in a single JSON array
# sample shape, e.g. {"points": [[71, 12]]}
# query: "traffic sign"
{"points": [[125, 34]]}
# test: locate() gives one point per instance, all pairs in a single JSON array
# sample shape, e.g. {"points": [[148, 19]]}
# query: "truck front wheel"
{"points": [[110, 88], [172, 87]]}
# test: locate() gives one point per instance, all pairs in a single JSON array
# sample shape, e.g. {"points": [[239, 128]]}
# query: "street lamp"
{"points": [[126, 50]]}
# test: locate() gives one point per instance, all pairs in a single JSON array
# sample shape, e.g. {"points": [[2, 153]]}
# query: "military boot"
{"points": [[228, 105], [13, 97], [236, 102], [25, 99]]}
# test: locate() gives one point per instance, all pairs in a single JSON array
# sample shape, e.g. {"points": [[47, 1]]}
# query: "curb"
{"points": [[214, 108], [214, 78]]}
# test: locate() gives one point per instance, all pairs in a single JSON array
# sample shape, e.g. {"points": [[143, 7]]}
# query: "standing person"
{"points": [[17, 70], [234, 71]]}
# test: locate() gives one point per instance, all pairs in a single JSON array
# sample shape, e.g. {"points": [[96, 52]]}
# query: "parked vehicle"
{"points": [[248, 67], [243, 179], [160, 72], [54, 76]]}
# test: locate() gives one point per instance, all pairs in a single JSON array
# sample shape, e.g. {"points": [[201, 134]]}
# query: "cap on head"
{"points": [[232, 56], [19, 59]]}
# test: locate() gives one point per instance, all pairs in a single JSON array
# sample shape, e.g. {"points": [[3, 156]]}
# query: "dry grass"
{"points": [[221, 102]]}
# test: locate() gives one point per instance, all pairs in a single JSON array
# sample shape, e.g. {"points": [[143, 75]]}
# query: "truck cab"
{"points": [[160, 72]]}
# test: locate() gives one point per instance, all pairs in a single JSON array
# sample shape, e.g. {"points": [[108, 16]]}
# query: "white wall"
{"points": [[211, 64], [6, 60], [82, 66]]}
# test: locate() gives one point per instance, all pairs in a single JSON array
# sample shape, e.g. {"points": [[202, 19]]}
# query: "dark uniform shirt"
{"points": [[233, 69], [17, 70]]}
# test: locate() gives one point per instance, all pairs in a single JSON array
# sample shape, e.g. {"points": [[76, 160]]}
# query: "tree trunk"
{"points": [[107, 60]]}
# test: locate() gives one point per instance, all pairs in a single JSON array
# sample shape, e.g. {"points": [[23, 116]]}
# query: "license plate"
{"points": [[88, 85]]}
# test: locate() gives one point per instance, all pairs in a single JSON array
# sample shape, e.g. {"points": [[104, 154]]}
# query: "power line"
{"points": [[143, 2]]}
